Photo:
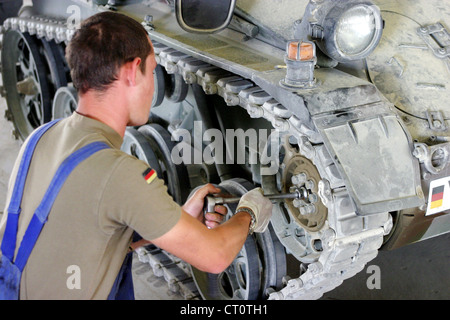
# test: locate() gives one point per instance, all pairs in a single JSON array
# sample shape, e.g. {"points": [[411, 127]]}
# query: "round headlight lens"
{"points": [[357, 30]]}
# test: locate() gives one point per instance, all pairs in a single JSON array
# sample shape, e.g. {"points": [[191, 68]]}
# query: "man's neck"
{"points": [[106, 108]]}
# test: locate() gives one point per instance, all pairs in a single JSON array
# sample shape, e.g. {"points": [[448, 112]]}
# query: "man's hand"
{"points": [[194, 207], [260, 206]]}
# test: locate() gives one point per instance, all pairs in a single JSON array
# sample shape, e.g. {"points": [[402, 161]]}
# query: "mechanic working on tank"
{"points": [[80, 251]]}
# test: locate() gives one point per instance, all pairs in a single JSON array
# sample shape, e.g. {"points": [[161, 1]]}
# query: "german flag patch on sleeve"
{"points": [[149, 175]]}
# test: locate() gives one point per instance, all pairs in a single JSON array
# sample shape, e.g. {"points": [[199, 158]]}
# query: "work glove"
{"points": [[260, 206]]}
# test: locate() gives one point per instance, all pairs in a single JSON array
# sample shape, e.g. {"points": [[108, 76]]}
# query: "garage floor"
{"points": [[418, 271]]}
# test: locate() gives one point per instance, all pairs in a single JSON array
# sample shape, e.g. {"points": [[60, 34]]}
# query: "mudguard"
{"points": [[373, 153]]}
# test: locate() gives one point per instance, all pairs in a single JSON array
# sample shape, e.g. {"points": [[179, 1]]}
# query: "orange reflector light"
{"points": [[300, 51]]}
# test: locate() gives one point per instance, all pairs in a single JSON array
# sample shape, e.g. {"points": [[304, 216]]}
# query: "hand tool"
{"points": [[217, 199]]}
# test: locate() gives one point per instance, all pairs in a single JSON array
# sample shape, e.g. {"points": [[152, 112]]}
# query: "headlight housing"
{"points": [[351, 30]]}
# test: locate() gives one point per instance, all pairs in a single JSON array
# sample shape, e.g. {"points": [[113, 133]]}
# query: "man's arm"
{"points": [[202, 241], [209, 250]]}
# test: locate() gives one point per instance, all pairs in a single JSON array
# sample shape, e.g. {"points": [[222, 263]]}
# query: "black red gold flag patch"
{"points": [[437, 196], [149, 175]]}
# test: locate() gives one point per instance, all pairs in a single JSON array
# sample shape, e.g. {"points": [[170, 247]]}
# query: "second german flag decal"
{"points": [[439, 196], [436, 197], [149, 175]]}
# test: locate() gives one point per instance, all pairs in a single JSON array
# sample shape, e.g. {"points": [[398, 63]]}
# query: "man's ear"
{"points": [[131, 71]]}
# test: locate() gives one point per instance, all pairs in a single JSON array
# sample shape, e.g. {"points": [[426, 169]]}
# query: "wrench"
{"points": [[215, 199]]}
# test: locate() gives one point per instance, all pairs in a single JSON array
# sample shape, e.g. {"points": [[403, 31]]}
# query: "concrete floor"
{"points": [[418, 271]]}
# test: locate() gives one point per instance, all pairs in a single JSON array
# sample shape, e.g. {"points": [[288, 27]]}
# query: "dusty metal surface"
{"points": [[371, 137]]}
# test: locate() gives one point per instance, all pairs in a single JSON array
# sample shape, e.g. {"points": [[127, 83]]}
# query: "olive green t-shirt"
{"points": [[84, 242]]}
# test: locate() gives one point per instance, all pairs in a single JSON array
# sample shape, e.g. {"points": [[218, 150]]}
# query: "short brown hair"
{"points": [[102, 45]]}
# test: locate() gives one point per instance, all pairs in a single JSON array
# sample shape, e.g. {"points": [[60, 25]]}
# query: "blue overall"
{"points": [[10, 270]]}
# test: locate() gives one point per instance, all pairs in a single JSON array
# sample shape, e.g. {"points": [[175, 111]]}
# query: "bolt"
{"points": [[315, 267], [308, 209], [313, 198], [299, 232], [311, 208], [299, 179], [310, 184], [426, 176], [298, 203], [419, 152], [420, 193], [303, 211]]}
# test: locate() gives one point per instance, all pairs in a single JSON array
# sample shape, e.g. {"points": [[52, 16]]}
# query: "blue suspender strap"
{"points": [[10, 237], [40, 215], [10, 272]]}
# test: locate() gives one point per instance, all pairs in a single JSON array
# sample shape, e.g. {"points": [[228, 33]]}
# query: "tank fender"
{"points": [[374, 155]]}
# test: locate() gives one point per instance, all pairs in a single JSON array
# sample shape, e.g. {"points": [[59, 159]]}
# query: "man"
{"points": [[109, 195]]}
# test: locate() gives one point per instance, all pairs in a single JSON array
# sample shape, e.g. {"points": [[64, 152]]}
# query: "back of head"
{"points": [[104, 43]]}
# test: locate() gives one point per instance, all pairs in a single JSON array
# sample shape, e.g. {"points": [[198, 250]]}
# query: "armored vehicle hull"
{"points": [[344, 100]]}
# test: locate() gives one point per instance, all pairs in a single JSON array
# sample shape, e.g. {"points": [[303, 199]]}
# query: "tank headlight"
{"points": [[351, 32]]}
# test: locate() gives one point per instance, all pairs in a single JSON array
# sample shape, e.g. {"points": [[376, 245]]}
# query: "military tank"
{"points": [[344, 102]]}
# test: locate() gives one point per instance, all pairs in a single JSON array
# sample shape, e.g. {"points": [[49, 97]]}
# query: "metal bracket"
{"points": [[436, 120], [361, 139], [439, 35], [435, 158]]}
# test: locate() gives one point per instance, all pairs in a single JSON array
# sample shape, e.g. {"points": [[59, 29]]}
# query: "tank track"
{"points": [[348, 241], [175, 272]]}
